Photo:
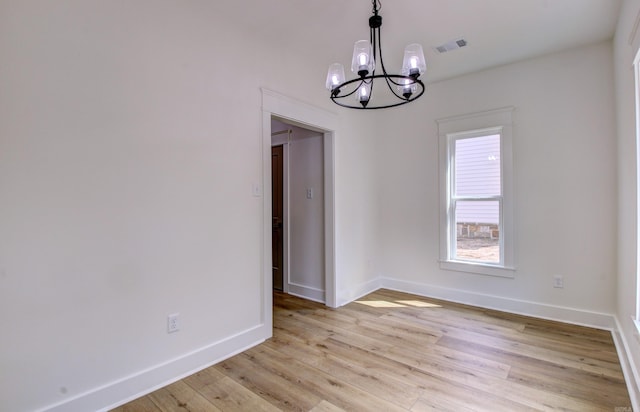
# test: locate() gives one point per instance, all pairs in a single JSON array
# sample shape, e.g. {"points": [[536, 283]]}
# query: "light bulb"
{"points": [[413, 63], [335, 77], [362, 62], [407, 87]]}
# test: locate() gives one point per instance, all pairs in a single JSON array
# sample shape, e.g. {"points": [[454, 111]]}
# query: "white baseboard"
{"points": [[307, 292], [629, 370], [521, 307], [347, 296], [141, 383]]}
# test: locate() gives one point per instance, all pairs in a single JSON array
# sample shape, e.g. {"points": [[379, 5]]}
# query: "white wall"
{"points": [[625, 48], [356, 216], [565, 186], [304, 217], [127, 158], [124, 197], [307, 276]]}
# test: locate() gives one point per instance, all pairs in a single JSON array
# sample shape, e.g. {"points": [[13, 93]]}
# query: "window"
{"points": [[476, 197]]}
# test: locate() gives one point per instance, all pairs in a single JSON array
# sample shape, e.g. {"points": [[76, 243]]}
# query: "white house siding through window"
{"points": [[477, 188]]}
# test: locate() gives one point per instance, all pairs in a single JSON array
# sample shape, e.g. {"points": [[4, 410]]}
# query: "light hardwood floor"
{"points": [[392, 351]]}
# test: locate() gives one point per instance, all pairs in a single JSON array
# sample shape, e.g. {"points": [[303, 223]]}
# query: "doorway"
{"points": [[298, 255], [295, 112]]}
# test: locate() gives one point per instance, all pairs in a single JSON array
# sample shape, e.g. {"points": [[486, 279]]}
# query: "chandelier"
{"points": [[357, 93]]}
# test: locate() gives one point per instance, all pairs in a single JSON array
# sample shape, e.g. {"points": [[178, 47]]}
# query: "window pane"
{"points": [[477, 231], [477, 166]]}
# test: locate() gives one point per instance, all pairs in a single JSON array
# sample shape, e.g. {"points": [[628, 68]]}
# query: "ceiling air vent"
{"points": [[451, 45]]}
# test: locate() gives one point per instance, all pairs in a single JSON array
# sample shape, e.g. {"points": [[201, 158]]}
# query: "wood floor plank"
{"points": [[208, 376], [225, 393], [571, 383], [376, 363], [557, 353], [445, 395], [529, 396], [144, 404], [338, 392], [313, 329], [281, 391], [396, 351], [228, 395], [180, 396], [325, 406], [346, 368], [557, 338], [554, 377]]}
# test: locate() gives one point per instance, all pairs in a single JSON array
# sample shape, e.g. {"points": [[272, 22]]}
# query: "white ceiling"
{"points": [[497, 31]]}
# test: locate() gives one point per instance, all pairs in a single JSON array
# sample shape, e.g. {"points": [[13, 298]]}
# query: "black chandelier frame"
{"points": [[393, 81]]}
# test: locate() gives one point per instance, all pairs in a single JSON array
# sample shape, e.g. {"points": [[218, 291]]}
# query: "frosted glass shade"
{"points": [[413, 63], [363, 62], [335, 76]]}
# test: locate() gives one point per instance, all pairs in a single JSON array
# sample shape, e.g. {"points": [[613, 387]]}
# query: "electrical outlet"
{"points": [[172, 323], [558, 281]]}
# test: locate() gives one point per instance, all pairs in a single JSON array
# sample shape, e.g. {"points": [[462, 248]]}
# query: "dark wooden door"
{"points": [[277, 214]]}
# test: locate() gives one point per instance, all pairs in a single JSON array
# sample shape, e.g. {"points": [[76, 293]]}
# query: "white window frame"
{"points": [[498, 121], [636, 73]]}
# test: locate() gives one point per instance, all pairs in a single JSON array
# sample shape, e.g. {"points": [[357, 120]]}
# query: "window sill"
{"points": [[478, 268]]}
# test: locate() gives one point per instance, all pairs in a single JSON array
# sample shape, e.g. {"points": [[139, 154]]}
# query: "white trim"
{"points": [[307, 292], [473, 124], [356, 293], [521, 307], [299, 112], [330, 287], [266, 314], [286, 205], [476, 121], [478, 268], [631, 375], [311, 117], [636, 76], [121, 391]]}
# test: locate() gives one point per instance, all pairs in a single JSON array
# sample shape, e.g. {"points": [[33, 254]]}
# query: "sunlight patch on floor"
{"points": [[380, 304], [397, 304], [419, 304]]}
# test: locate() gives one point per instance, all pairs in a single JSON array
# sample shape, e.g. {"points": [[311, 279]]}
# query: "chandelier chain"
{"points": [[377, 6]]}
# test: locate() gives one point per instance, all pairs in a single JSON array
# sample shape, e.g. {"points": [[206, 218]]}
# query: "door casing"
{"points": [[292, 111]]}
